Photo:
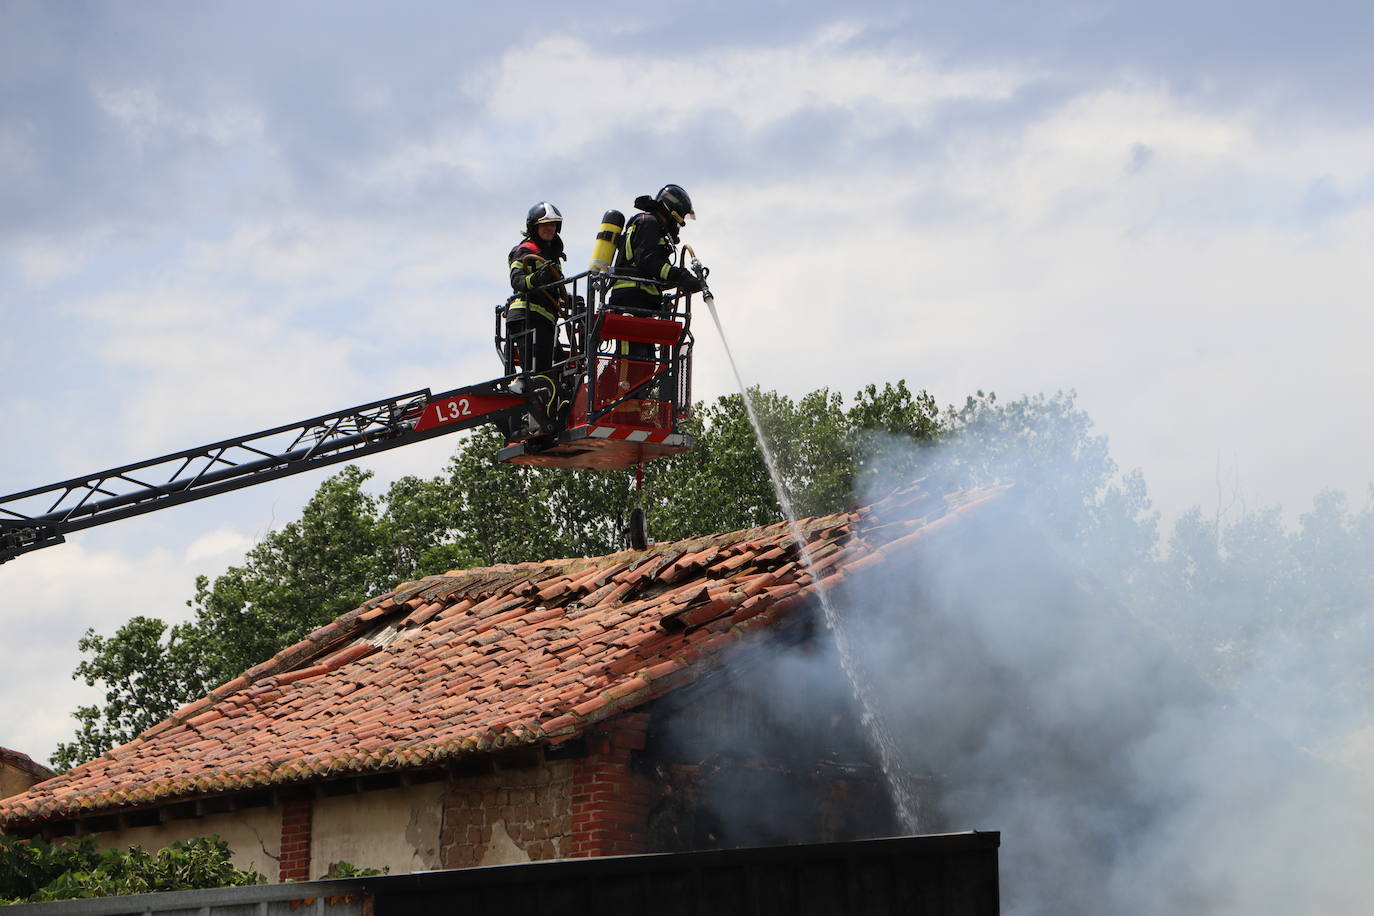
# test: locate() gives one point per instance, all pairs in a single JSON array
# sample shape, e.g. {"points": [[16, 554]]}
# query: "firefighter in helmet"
{"points": [[532, 312], [645, 253], [644, 260]]}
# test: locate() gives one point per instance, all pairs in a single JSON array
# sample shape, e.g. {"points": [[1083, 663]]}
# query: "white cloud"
{"points": [[222, 544], [42, 263], [50, 598], [1188, 333], [754, 88], [145, 115]]}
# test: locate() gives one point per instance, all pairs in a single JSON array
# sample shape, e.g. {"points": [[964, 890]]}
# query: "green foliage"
{"points": [[294, 580], [512, 514], [27, 866], [1044, 444], [146, 677], [34, 870], [822, 449], [343, 869]]}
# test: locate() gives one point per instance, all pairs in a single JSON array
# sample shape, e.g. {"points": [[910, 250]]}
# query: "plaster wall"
{"points": [[253, 834], [13, 780], [397, 829]]}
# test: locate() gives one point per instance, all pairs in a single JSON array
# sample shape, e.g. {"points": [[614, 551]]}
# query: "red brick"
{"points": [[295, 841]]}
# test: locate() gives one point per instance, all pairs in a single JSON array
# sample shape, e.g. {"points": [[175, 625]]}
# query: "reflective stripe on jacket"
{"points": [[645, 253], [522, 267]]}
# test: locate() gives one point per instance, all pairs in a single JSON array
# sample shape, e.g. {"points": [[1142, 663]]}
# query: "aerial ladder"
{"points": [[621, 410]]}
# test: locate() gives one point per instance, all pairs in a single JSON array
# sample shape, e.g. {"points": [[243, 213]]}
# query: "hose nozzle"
{"points": [[701, 272]]}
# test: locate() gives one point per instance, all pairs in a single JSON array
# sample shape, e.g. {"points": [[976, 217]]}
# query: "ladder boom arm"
{"points": [[43, 516]]}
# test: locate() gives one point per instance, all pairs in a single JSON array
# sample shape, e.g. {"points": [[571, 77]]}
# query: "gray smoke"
{"points": [[1027, 669], [1034, 699]]}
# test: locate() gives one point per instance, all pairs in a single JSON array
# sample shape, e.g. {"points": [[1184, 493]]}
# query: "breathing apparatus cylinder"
{"points": [[603, 249]]}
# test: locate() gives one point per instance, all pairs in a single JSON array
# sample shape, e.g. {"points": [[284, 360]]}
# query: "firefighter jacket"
{"points": [[534, 263], [645, 253]]}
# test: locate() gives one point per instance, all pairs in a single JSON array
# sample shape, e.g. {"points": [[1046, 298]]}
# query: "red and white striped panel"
{"points": [[635, 435]]}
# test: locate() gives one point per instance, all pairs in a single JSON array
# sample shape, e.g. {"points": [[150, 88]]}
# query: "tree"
{"points": [[822, 451], [510, 514], [327, 562], [146, 678]]}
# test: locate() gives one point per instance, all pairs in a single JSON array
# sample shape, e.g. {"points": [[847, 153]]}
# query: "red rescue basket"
{"points": [[626, 383]]}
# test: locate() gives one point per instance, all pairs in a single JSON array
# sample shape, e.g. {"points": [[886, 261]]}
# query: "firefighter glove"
{"points": [[685, 280], [544, 273]]}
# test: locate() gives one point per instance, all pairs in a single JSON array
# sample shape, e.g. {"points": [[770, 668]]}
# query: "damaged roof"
{"points": [[484, 659]]}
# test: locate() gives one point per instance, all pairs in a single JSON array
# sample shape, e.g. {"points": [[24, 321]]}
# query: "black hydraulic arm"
{"points": [[43, 516]]}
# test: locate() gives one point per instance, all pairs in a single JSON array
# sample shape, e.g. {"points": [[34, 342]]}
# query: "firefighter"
{"points": [[532, 313], [644, 260], [646, 249]]}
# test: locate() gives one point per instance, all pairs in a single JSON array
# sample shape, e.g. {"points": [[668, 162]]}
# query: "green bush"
{"points": [[344, 869], [34, 870]]}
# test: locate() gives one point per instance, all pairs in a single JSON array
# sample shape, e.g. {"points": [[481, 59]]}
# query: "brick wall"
{"points": [[610, 801], [595, 805], [507, 816], [295, 841]]}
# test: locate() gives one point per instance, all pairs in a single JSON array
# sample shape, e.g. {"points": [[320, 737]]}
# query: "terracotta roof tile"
{"points": [[475, 660]]}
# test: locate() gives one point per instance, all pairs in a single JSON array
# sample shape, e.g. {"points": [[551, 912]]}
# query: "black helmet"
{"points": [[542, 212], [675, 202]]}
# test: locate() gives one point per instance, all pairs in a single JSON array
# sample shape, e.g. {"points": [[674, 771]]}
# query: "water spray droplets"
{"points": [[889, 757]]}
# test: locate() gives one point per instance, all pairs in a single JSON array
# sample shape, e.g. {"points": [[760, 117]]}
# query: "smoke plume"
{"points": [[1033, 698]]}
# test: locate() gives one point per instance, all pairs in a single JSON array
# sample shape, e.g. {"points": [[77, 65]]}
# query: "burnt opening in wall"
{"points": [[767, 749]]}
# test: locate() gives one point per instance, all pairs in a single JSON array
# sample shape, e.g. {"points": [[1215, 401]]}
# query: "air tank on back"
{"points": [[603, 249]]}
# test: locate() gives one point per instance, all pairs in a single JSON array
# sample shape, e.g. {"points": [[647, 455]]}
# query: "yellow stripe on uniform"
{"points": [[526, 304]]}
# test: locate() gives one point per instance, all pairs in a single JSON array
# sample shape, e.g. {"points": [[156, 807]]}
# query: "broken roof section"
{"points": [[480, 660]]}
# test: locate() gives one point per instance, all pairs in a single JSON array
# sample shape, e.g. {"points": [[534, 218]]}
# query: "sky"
{"points": [[222, 217]]}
